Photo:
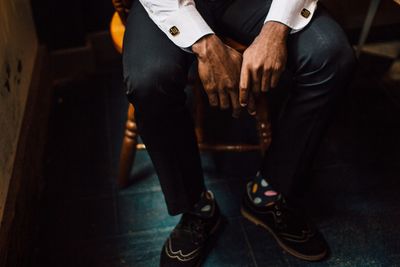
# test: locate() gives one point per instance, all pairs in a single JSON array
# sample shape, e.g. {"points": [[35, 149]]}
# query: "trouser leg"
{"points": [[320, 61], [155, 74]]}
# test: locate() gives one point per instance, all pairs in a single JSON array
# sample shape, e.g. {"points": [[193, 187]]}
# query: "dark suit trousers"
{"points": [[320, 61]]}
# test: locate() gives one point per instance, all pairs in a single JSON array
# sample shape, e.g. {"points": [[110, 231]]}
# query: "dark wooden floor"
{"points": [[86, 221]]}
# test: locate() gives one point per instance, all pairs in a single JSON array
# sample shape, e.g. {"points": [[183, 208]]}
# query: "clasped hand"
{"points": [[232, 79]]}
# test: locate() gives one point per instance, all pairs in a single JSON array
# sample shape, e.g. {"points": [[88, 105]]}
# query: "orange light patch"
{"points": [[255, 187]]}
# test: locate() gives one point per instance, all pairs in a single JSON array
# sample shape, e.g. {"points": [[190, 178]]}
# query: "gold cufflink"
{"points": [[305, 13], [174, 31]]}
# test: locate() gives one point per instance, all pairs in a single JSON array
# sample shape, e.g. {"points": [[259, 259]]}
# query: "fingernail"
{"points": [[253, 113], [243, 104]]}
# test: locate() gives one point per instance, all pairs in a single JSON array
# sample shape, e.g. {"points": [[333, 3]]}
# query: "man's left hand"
{"points": [[263, 62]]}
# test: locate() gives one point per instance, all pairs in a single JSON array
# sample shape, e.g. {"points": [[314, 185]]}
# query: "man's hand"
{"points": [[263, 62], [219, 70]]}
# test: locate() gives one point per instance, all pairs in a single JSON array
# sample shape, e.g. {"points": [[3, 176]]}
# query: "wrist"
{"points": [[279, 30], [201, 46]]}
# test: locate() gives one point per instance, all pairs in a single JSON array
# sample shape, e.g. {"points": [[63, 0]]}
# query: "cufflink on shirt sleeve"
{"points": [[305, 13], [174, 31]]}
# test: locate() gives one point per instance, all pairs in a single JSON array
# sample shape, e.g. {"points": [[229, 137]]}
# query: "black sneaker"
{"points": [[292, 232], [192, 238]]}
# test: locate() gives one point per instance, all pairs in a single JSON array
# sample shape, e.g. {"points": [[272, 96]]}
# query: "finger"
{"points": [[275, 78], [235, 104], [223, 99], [265, 84], [244, 85], [212, 99], [251, 106], [256, 82]]}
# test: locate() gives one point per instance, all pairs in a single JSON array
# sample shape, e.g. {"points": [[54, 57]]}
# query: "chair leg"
{"points": [[128, 149], [263, 124]]}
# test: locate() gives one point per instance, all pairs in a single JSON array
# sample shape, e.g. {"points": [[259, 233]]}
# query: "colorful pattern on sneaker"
{"points": [[261, 192]]}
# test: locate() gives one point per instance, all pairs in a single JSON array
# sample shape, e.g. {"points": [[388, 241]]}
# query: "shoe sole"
{"points": [[292, 252]]}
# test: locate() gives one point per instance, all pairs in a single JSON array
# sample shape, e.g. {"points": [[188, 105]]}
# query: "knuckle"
{"points": [[258, 65], [278, 68], [246, 63], [229, 85], [267, 68], [213, 101]]}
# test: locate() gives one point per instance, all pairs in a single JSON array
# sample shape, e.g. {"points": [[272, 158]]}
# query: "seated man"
{"points": [[164, 37]]}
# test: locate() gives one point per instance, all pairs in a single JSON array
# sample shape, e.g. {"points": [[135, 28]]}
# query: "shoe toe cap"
{"points": [[312, 248]]}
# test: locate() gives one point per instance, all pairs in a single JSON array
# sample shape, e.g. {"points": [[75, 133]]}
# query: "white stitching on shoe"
{"points": [[179, 254]]}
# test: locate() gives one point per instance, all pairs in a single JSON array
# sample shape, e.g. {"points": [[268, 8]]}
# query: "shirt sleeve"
{"points": [[178, 19], [296, 14]]}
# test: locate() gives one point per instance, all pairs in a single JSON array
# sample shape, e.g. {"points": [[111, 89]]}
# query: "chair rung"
{"points": [[219, 147]]}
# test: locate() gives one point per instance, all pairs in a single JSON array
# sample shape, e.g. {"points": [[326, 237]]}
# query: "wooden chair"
{"points": [[130, 144]]}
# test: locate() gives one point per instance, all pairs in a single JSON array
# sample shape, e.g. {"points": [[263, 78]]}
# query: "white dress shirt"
{"points": [[182, 23]]}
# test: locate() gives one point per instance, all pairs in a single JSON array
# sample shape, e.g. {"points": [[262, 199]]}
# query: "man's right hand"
{"points": [[219, 70]]}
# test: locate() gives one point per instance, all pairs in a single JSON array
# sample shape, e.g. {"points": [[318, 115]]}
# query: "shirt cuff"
{"points": [[185, 26], [293, 13]]}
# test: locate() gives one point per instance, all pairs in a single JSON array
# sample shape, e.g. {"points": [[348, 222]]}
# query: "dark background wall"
{"points": [[65, 23]]}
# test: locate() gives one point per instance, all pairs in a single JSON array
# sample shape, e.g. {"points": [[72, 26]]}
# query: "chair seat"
{"points": [[117, 30]]}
